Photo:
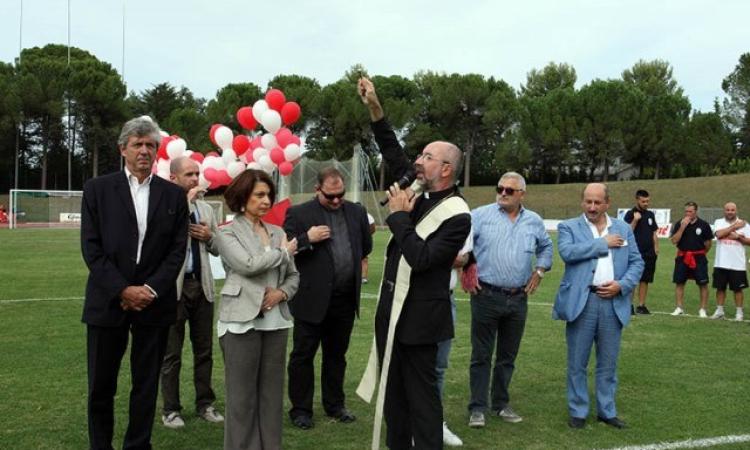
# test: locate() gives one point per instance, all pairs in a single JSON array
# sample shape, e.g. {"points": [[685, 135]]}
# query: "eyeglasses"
{"points": [[507, 190], [429, 157], [332, 197]]}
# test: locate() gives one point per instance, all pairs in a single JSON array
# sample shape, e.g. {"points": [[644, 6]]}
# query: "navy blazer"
{"points": [[315, 261], [580, 251], [109, 243]]}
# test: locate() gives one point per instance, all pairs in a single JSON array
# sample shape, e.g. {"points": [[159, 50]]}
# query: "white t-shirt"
{"points": [[730, 254]]}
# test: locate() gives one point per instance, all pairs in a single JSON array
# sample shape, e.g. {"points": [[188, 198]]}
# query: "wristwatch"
{"points": [[540, 272]]}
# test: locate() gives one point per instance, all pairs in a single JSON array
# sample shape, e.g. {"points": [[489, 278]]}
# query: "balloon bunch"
{"points": [[278, 147]]}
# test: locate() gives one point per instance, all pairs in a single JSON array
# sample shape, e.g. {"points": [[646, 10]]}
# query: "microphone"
{"points": [[407, 180]]}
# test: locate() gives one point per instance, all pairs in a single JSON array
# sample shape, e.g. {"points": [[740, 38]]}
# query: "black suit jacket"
{"points": [[109, 243], [315, 261]]}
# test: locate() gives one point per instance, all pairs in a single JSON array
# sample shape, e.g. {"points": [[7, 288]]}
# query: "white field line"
{"points": [[691, 443], [363, 295]]}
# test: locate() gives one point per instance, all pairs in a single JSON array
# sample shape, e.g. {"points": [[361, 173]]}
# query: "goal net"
{"points": [[44, 209]]}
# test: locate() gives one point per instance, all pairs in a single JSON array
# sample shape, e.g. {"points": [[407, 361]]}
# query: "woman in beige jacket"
{"points": [[254, 318]]}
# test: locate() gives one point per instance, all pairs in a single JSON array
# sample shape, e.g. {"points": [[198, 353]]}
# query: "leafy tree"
{"points": [[708, 145], [737, 106], [552, 77]]}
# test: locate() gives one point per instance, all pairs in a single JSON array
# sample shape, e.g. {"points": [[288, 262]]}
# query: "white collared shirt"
{"points": [[605, 267], [140, 192]]}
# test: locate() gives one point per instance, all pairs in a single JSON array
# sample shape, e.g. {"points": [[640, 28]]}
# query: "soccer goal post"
{"points": [[30, 208]]}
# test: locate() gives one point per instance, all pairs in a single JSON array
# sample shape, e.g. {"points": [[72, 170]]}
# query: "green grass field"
{"points": [[680, 378]]}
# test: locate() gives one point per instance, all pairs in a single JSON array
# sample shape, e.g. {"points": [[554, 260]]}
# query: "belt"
{"points": [[191, 276], [502, 289]]}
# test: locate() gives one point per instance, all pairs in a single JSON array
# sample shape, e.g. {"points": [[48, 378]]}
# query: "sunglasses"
{"points": [[332, 197], [507, 190]]}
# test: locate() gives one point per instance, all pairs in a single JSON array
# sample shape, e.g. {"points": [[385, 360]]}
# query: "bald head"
{"points": [[595, 202], [438, 166], [730, 212], [184, 172], [597, 189]]}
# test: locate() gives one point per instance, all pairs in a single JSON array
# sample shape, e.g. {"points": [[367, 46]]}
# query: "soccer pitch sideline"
{"points": [[681, 378]]}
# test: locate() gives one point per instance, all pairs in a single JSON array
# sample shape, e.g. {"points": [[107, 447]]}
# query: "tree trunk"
{"points": [[381, 181], [657, 167], [467, 162], [45, 146], [94, 158], [605, 176]]}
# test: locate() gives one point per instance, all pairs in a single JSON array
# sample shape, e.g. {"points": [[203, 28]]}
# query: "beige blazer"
{"points": [[206, 213], [246, 263]]}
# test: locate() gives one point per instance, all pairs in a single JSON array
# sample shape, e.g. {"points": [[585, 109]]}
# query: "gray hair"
{"points": [[516, 176], [142, 126]]}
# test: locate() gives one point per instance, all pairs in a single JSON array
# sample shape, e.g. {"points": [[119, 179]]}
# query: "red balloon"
{"points": [[246, 119], [197, 156], [275, 99], [284, 137], [290, 113], [214, 127], [256, 142], [213, 154], [277, 155], [211, 175], [296, 140], [223, 178], [285, 168], [240, 144], [162, 152]]}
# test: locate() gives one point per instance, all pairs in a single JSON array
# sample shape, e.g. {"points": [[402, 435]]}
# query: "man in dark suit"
{"points": [[414, 309], [333, 236], [134, 229]]}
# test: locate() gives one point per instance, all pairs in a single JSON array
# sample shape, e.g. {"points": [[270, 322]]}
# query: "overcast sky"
{"points": [[204, 45]]}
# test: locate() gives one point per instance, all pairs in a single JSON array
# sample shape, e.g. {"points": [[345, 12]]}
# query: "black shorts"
{"points": [[736, 279], [648, 269], [682, 273]]}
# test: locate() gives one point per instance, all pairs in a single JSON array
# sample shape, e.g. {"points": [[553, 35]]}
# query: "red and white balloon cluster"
{"points": [[278, 147]]}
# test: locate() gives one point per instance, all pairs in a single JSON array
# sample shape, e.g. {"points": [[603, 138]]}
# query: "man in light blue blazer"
{"points": [[602, 266]]}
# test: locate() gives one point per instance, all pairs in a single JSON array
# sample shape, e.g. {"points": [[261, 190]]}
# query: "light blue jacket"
{"points": [[580, 250]]}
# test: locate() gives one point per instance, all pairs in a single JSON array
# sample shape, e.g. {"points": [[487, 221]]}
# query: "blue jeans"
{"points": [[443, 351], [497, 321], [597, 324]]}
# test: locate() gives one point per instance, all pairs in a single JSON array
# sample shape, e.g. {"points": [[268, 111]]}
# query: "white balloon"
{"points": [[176, 148], [259, 153], [292, 152], [202, 181], [269, 141], [266, 163], [258, 109], [243, 158], [229, 156], [163, 165], [235, 168], [188, 153], [161, 132], [223, 137], [213, 162], [163, 174], [271, 121], [254, 165]]}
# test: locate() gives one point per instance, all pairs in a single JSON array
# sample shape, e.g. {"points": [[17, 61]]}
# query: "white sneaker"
{"points": [[718, 314], [702, 313], [210, 414], [739, 317], [678, 311], [173, 420], [449, 438]]}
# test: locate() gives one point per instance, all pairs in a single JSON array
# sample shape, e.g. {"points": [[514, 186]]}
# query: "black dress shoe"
{"points": [[343, 415], [577, 422], [613, 422], [303, 422]]}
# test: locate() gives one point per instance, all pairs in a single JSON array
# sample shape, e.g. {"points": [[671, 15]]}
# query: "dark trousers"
{"points": [[332, 334], [105, 349], [497, 321], [412, 402], [195, 309]]}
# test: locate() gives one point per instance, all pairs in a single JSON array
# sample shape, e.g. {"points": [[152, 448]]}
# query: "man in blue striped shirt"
{"points": [[507, 237]]}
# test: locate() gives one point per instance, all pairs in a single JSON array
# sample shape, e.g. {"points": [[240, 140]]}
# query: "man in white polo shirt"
{"points": [[732, 235]]}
